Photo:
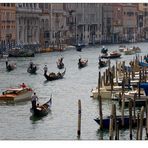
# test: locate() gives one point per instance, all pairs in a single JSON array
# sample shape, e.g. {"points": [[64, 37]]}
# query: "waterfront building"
{"points": [[44, 25], [130, 11], [57, 25], [85, 22], [28, 23], [143, 7], [107, 29], [7, 25], [117, 23]]}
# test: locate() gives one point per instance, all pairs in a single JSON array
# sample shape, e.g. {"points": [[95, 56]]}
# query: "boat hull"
{"points": [[106, 122], [24, 96]]}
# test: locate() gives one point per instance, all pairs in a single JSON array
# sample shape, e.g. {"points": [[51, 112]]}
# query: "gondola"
{"points": [[52, 76], [111, 55], [41, 110], [60, 63], [102, 63], [104, 50], [79, 48], [32, 70], [82, 63], [10, 67], [106, 121]]}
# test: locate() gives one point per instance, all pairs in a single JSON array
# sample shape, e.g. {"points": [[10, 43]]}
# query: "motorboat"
{"points": [[16, 94]]}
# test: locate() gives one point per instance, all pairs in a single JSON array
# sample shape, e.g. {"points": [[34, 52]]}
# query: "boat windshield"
{"points": [[12, 91]]}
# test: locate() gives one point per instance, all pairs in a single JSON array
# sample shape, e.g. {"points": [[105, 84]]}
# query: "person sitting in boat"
{"points": [[23, 85], [34, 98], [59, 74], [45, 69], [52, 74]]}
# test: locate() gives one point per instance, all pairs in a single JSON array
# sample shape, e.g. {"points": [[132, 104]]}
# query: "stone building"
{"points": [[28, 23], [143, 7], [107, 26], [117, 23], [130, 22], [57, 25], [44, 25], [85, 22], [7, 25]]}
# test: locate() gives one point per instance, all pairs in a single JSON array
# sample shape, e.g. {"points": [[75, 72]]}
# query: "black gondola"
{"points": [[78, 47], [82, 63], [10, 67], [104, 50], [32, 70], [41, 110], [52, 76], [60, 63], [102, 63]]}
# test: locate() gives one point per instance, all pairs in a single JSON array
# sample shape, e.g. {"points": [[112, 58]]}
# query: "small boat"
{"points": [[41, 110], [106, 121], [52, 76], [82, 63], [70, 47], [122, 48], [79, 46], [129, 51], [111, 55], [32, 70], [60, 63], [102, 63], [16, 94], [104, 50], [10, 67], [20, 52]]}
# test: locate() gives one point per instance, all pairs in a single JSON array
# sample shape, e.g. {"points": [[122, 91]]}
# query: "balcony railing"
{"points": [[28, 10]]}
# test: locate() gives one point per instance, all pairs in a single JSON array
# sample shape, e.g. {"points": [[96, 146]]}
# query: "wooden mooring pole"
{"points": [[111, 124], [137, 133], [141, 124], [130, 118], [79, 118], [122, 110], [100, 103], [147, 118]]}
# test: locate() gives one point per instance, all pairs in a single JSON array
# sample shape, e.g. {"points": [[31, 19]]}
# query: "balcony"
{"points": [[29, 10]]}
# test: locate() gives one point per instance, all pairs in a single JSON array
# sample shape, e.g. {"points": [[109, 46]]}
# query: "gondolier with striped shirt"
{"points": [[34, 98]]}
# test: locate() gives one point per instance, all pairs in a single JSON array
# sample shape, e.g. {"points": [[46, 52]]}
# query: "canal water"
{"points": [[16, 122]]}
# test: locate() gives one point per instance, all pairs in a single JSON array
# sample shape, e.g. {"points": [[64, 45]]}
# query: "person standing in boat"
{"points": [[31, 64], [34, 98], [6, 61], [45, 69]]}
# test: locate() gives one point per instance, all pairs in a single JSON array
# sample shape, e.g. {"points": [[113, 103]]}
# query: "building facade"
{"points": [[57, 25], [85, 22], [7, 25], [44, 25], [107, 23], [117, 23], [28, 23]]}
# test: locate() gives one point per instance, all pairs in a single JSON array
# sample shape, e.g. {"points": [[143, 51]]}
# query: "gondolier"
{"points": [[45, 69], [34, 98]]}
